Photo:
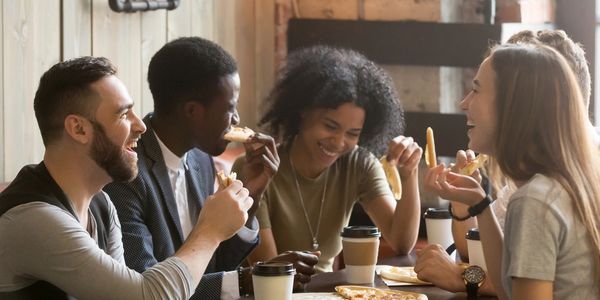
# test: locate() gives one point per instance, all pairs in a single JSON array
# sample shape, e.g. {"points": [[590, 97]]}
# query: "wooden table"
{"points": [[326, 282]]}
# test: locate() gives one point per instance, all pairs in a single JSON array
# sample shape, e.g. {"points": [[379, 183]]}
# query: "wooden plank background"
{"points": [[37, 34], [31, 44]]}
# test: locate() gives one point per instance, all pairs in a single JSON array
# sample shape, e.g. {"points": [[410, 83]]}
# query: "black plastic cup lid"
{"points": [[273, 269], [437, 213], [360, 232], [473, 234]]}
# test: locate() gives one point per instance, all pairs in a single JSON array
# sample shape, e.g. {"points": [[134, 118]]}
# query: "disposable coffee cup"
{"points": [[273, 280], [475, 250], [361, 246], [438, 222]]}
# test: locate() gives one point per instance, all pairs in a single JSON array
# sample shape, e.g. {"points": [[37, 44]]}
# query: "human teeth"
{"points": [[327, 152]]}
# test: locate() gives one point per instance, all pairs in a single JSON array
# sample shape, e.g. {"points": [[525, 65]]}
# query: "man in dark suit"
{"points": [[195, 86]]}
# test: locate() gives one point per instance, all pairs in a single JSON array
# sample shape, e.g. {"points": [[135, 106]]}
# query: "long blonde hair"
{"points": [[543, 127]]}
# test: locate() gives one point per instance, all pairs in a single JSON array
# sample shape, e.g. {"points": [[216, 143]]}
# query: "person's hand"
{"points": [[453, 186], [262, 162], [225, 212], [406, 153], [304, 263], [436, 266], [462, 159]]}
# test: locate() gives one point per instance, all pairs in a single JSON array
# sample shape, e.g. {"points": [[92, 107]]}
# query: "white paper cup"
{"points": [[439, 227], [475, 250], [361, 247], [273, 280]]}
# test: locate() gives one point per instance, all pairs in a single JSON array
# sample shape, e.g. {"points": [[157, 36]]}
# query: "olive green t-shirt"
{"points": [[356, 176]]}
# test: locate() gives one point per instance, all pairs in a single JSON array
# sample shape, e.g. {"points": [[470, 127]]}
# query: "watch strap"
{"points": [[480, 207], [472, 210], [472, 289]]}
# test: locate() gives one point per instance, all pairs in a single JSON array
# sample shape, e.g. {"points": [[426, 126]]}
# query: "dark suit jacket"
{"points": [[149, 219]]}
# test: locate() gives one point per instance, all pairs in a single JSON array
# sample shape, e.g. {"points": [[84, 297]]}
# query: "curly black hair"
{"points": [[326, 77], [187, 68]]}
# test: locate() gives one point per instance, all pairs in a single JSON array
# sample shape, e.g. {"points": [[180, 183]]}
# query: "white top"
{"points": [[176, 167]]}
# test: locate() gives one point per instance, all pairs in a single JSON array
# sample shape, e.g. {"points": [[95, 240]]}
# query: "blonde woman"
{"points": [[526, 111]]}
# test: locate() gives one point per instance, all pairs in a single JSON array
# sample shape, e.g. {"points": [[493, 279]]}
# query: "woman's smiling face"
{"points": [[480, 107], [326, 134]]}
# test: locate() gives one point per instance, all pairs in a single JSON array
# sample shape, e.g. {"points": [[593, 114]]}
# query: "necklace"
{"points": [[314, 235]]}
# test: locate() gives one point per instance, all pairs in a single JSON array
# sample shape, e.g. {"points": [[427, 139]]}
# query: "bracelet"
{"points": [[455, 217], [474, 210], [243, 292]]}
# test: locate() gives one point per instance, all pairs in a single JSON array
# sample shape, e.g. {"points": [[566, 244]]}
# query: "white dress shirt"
{"points": [[176, 167]]}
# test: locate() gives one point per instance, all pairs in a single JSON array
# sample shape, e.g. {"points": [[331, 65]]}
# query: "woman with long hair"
{"points": [[335, 112], [527, 112]]}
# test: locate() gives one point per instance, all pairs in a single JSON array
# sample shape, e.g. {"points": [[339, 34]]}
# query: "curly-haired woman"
{"points": [[334, 111]]}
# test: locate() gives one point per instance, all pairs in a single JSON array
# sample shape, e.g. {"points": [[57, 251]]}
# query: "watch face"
{"points": [[474, 274]]}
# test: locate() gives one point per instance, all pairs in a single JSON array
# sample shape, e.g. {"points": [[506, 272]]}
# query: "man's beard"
{"points": [[111, 157]]}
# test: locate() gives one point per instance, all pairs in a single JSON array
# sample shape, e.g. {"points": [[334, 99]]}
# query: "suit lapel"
{"points": [[196, 194], [161, 175]]}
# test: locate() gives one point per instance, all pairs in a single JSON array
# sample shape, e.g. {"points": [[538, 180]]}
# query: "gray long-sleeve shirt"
{"points": [[42, 241]]}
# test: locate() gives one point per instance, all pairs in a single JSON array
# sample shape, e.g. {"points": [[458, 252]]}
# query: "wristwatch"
{"points": [[473, 276]]}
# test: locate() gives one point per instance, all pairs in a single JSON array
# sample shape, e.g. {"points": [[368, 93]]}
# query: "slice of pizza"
{"points": [[402, 274], [393, 177], [475, 164], [354, 292], [225, 180], [238, 134], [430, 157]]}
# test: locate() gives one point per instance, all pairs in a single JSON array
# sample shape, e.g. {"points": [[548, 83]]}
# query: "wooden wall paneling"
{"points": [[154, 36], [225, 23], [235, 31], [417, 86], [392, 10], [328, 9], [76, 28], [202, 18], [265, 52], [2, 110], [31, 42], [192, 18], [117, 36]]}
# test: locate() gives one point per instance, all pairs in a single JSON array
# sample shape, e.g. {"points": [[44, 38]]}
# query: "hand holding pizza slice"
{"points": [[473, 165], [226, 180]]}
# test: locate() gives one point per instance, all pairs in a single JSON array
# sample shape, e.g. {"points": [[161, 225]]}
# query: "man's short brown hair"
{"points": [[65, 89]]}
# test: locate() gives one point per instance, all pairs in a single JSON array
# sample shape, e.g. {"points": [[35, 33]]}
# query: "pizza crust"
{"points": [[354, 292]]}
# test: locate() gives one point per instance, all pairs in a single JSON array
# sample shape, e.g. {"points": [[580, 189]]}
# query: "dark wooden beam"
{"points": [[402, 43], [450, 130]]}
